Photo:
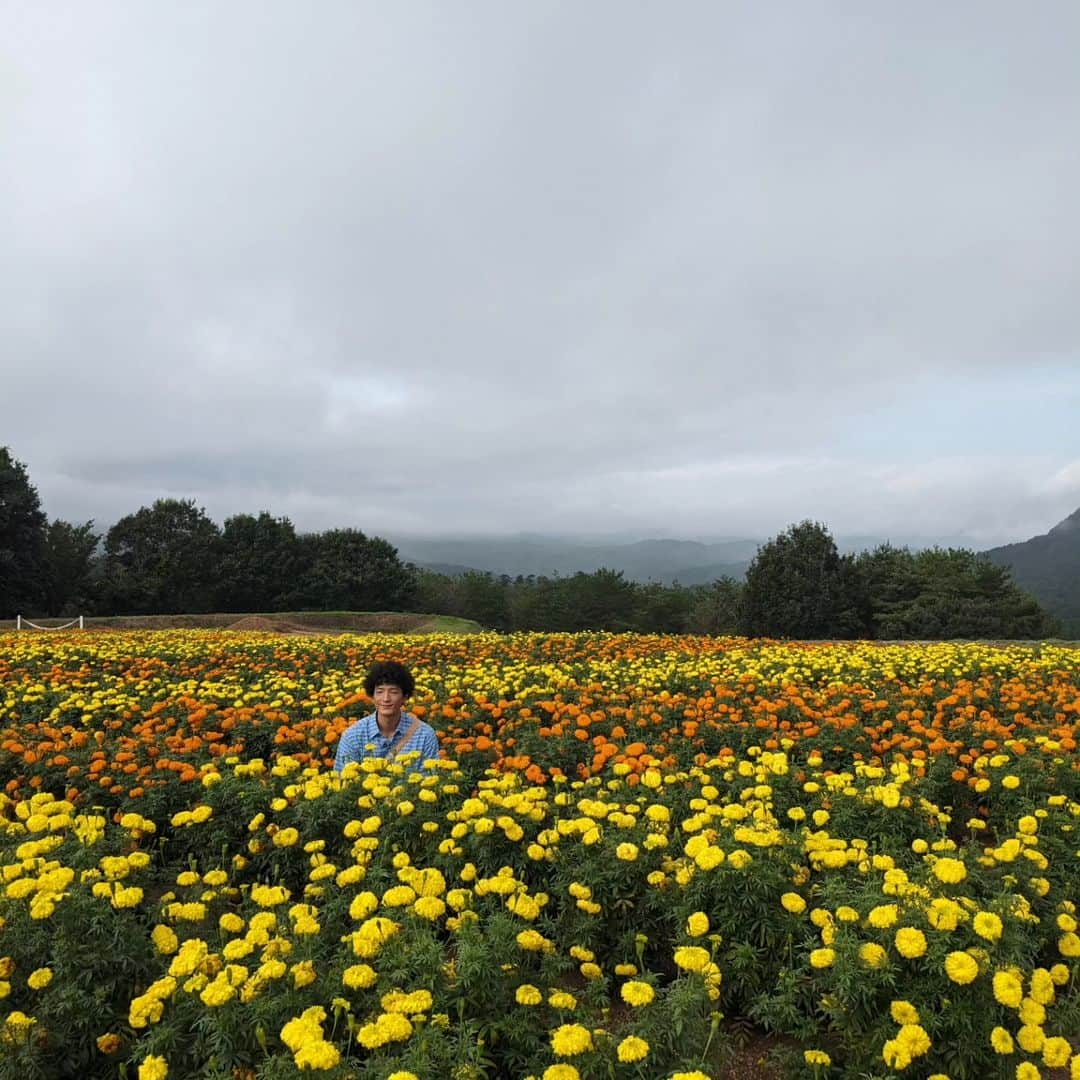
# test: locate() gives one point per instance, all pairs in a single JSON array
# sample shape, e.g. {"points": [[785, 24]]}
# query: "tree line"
{"points": [[171, 558]]}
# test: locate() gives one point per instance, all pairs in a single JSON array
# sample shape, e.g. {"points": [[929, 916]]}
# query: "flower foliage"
{"points": [[628, 837]]}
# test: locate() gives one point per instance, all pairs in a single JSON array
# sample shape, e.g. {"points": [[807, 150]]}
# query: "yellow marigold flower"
{"points": [[359, 976], [1055, 1052], [527, 994], [632, 1049], [1025, 1070], [903, 1012], [231, 923], [570, 1039], [951, 871], [793, 902], [894, 1055], [153, 1068], [961, 967], [1001, 1041], [108, 1043], [430, 907], [872, 954], [847, 915], [561, 1072], [1031, 1038], [816, 1057], [637, 993], [629, 970], [39, 978], [533, 941], [883, 916], [914, 1039], [1009, 781], [697, 924], [560, 999], [696, 1074], [1060, 974], [627, 852], [1069, 945], [1031, 1012], [303, 974], [1008, 989], [987, 925], [591, 971], [317, 1054], [910, 943], [822, 958], [164, 939], [286, 837], [403, 1074], [692, 958]]}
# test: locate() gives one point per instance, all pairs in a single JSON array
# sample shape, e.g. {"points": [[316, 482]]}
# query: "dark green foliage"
{"points": [[260, 564], [348, 571], [70, 564], [798, 585], [161, 560], [23, 569], [950, 593]]}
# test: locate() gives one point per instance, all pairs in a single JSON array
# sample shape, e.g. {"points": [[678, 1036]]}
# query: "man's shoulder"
{"points": [[358, 726]]}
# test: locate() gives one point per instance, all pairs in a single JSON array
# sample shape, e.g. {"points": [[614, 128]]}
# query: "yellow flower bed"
{"points": [[817, 838]]}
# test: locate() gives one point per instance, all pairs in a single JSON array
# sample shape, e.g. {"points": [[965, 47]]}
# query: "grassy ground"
{"points": [[288, 622]]}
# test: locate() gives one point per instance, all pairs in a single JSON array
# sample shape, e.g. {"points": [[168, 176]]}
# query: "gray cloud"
{"points": [[423, 268]]}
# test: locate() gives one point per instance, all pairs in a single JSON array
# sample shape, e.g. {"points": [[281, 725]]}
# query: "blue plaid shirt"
{"points": [[364, 739]]}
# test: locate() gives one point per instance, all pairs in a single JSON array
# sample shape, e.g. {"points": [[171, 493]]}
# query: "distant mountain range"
{"points": [[1046, 566], [686, 561]]}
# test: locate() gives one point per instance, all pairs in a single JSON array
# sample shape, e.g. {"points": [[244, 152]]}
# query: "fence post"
{"points": [[18, 622]]}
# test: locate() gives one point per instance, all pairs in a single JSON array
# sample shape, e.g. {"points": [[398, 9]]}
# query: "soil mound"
{"points": [[259, 622]]}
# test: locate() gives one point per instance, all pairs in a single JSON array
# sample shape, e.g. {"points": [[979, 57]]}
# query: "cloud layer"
{"points": [[430, 268]]}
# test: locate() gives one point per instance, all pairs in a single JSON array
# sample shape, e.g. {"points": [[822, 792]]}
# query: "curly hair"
{"points": [[389, 673]]}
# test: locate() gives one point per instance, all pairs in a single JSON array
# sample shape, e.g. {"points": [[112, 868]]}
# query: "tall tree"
{"points": [[23, 571], [260, 563], [961, 594], [348, 571], [716, 608], [69, 558], [162, 560], [798, 585]]}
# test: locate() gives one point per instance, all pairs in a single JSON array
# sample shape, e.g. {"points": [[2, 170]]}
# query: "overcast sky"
{"points": [[688, 269]]}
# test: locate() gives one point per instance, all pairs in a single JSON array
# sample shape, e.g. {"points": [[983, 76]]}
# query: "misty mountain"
{"points": [[1048, 567], [689, 562]]}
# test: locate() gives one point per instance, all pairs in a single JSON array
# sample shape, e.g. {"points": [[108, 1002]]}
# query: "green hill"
{"points": [[1048, 567]]}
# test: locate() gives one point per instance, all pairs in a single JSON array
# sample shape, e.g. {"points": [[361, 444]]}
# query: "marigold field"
{"points": [[634, 848]]}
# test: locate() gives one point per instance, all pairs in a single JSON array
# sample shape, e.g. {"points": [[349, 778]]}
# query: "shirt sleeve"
{"points": [[429, 746], [346, 747]]}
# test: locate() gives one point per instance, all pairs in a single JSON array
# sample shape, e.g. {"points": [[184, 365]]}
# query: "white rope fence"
{"points": [[26, 624]]}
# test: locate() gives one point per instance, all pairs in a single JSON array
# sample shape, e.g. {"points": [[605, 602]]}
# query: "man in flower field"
{"points": [[388, 731]]}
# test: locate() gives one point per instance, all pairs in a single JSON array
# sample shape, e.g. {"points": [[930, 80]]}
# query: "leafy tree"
{"points": [[716, 608], [662, 609], [348, 571], [23, 570], [959, 594], [260, 563], [162, 560], [798, 585], [602, 600], [69, 559]]}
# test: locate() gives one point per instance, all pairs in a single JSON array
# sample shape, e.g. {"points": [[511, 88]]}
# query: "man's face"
{"points": [[388, 699]]}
